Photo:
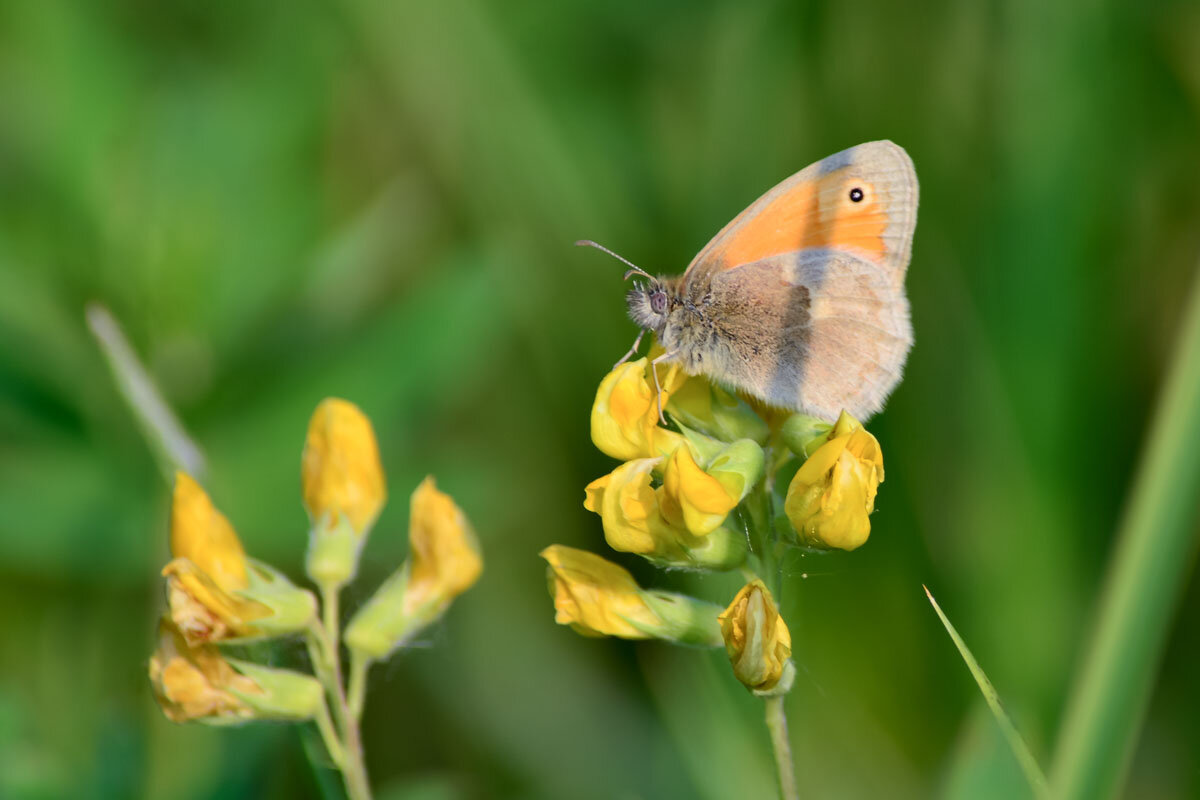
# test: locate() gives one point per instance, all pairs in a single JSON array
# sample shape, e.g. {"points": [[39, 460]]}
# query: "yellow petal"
{"points": [[703, 500], [593, 493], [445, 559], [195, 683], [340, 471], [595, 596], [624, 420], [629, 509], [202, 610], [202, 534]]}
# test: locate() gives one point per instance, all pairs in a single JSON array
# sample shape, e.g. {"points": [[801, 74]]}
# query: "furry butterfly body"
{"points": [[799, 301]]}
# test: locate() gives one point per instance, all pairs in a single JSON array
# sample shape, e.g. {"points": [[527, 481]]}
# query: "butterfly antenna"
{"points": [[636, 270]]}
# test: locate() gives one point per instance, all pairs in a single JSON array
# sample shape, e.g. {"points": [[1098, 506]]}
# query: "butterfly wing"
{"points": [[808, 284]]}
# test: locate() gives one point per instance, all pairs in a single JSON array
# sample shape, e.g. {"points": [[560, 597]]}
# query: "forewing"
{"points": [[816, 208]]}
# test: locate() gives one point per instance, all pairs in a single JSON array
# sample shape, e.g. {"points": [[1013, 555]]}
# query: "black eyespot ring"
{"points": [[856, 195]]}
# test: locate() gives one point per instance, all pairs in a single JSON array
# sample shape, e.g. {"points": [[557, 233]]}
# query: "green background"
{"points": [[377, 200]]}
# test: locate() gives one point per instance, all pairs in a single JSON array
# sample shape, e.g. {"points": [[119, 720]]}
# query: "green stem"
{"points": [[1146, 576], [323, 647], [359, 665], [777, 725], [332, 743]]}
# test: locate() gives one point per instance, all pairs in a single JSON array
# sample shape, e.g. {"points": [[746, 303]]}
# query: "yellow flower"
{"points": [[343, 486], [198, 683], [445, 558], [595, 596], [833, 493], [625, 412], [208, 571], [757, 640], [444, 562], [195, 683], [340, 471], [599, 598], [651, 522]]}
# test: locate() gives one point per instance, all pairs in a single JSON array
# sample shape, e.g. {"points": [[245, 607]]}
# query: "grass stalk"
{"points": [[1146, 575], [168, 440]]}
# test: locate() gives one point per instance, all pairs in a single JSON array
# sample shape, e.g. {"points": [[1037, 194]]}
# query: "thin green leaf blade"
{"points": [[1029, 765]]}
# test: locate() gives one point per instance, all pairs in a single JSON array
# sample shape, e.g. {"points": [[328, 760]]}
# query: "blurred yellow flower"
{"points": [[757, 639], [444, 562], [832, 495], [195, 683], [343, 488], [625, 412], [209, 569], [198, 683], [340, 470], [445, 558]]}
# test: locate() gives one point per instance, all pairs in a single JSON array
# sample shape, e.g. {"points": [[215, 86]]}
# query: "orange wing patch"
{"points": [[815, 213]]}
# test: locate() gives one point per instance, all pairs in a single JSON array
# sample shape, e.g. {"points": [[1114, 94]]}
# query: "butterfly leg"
{"points": [[657, 388], [636, 344]]}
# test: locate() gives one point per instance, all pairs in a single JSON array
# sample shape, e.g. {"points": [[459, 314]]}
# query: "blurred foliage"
{"points": [[283, 201]]}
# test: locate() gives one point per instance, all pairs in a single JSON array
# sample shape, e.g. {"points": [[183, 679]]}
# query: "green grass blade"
{"points": [[1029, 765], [169, 441], [1146, 576]]}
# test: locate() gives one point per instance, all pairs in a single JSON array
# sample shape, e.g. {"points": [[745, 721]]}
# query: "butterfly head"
{"points": [[649, 304]]}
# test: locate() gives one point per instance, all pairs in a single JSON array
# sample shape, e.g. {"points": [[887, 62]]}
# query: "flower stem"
{"points": [[323, 647], [777, 725], [357, 688], [332, 743]]}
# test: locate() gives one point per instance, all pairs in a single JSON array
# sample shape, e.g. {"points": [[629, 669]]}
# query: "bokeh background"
{"points": [[376, 200]]}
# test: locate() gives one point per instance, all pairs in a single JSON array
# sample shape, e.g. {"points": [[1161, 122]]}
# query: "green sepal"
{"points": [[804, 434], [685, 620], [292, 608], [382, 625], [286, 695], [333, 550]]}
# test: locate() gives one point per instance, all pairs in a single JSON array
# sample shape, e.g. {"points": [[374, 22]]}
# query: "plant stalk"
{"points": [[777, 725], [1147, 573], [323, 646]]}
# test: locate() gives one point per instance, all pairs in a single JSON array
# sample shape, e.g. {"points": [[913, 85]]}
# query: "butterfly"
{"points": [[799, 301]]}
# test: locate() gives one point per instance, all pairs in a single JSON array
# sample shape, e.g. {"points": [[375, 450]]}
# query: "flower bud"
{"points": [[198, 683], [343, 487], [444, 562], [214, 592], [599, 598], [708, 408], [757, 640], [625, 412], [640, 519], [830, 499]]}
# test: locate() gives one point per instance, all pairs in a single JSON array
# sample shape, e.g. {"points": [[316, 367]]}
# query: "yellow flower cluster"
{"points": [[217, 595], [682, 498]]}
